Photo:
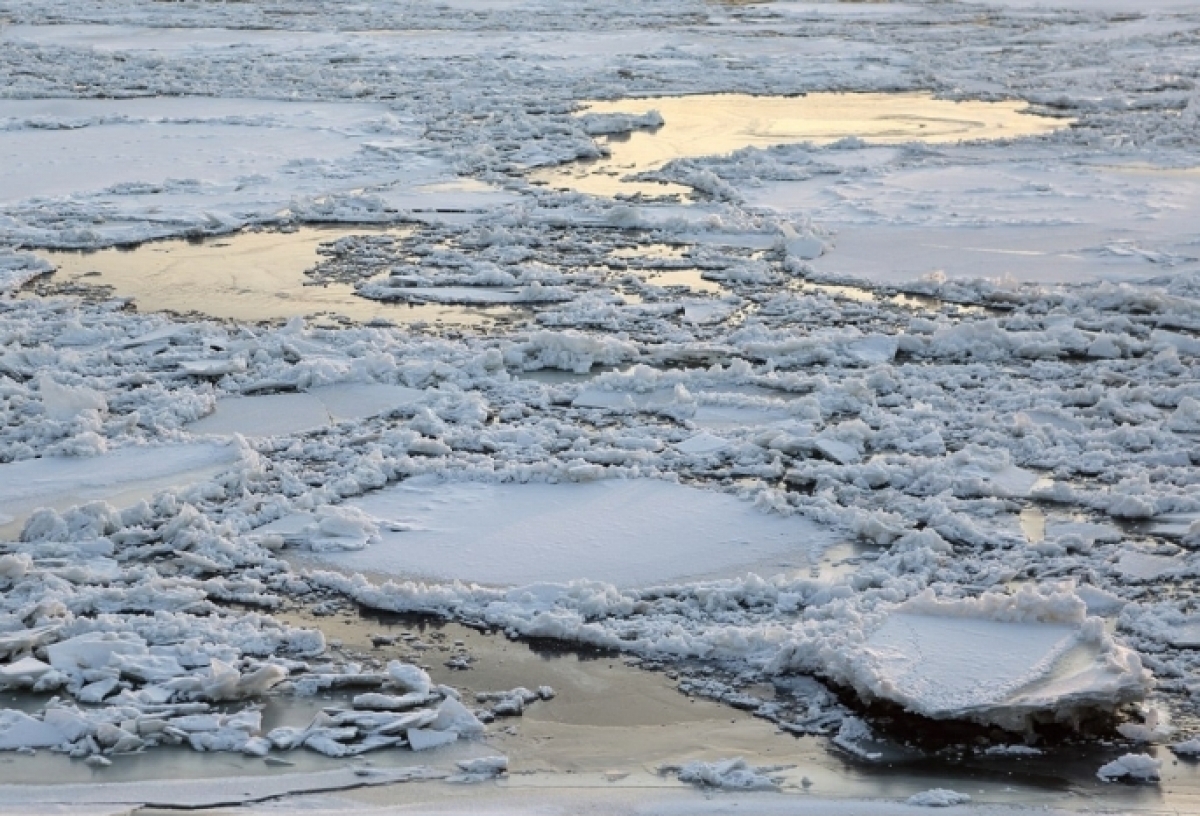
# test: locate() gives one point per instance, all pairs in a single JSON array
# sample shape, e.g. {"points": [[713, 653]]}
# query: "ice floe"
{"points": [[623, 531]]}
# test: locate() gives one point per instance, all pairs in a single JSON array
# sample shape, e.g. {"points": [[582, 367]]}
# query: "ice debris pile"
{"points": [[178, 708]]}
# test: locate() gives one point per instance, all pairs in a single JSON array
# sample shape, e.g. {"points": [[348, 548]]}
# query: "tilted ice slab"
{"points": [[625, 532], [1002, 660], [123, 476], [283, 414]]}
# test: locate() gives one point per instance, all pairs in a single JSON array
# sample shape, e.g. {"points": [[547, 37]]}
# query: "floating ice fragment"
{"points": [[389, 702], [702, 444], [1131, 767], [423, 739], [24, 672], [19, 730], [988, 472], [94, 650], [1190, 748], [1146, 567], [938, 797], [454, 716], [731, 774], [998, 659], [489, 765], [413, 679]]}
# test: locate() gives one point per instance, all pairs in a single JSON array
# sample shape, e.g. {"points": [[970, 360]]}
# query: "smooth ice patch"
{"points": [[717, 124], [285, 414], [1035, 218], [121, 477], [135, 169], [625, 532]]}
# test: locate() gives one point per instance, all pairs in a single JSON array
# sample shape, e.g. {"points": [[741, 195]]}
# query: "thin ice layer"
{"points": [[625, 532]]}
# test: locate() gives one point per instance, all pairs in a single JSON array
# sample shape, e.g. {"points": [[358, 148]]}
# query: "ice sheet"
{"points": [[627, 532], [120, 477], [286, 414]]}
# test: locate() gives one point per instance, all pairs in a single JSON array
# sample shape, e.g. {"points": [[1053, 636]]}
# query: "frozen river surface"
{"points": [[834, 364]]}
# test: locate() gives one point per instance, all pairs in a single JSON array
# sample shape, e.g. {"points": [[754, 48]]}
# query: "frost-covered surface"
{"points": [[999, 414]]}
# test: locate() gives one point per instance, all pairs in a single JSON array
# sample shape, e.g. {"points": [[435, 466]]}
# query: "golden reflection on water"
{"points": [[247, 277], [717, 124]]}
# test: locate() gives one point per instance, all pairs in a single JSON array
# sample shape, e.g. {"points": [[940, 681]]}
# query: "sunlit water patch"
{"points": [[717, 124], [249, 276]]}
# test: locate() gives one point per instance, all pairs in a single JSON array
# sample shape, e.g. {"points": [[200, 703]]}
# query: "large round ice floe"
{"points": [[625, 532], [1007, 660]]}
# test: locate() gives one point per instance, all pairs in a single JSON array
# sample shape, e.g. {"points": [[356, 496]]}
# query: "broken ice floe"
{"points": [[1004, 660]]}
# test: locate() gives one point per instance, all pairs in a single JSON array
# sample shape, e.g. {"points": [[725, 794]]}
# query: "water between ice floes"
{"points": [[716, 124], [248, 276]]}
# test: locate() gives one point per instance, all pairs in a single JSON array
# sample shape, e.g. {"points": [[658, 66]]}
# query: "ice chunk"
{"points": [[731, 774], [19, 730], [702, 444], [626, 532], [413, 679], [25, 639], [836, 450], [24, 672], [938, 797], [94, 650], [988, 472], [423, 739], [996, 659], [389, 702], [1134, 767], [484, 766], [454, 716], [1146, 567], [1190, 748]]}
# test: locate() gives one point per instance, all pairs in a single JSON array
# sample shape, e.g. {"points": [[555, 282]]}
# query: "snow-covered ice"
{"points": [[621, 531]]}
